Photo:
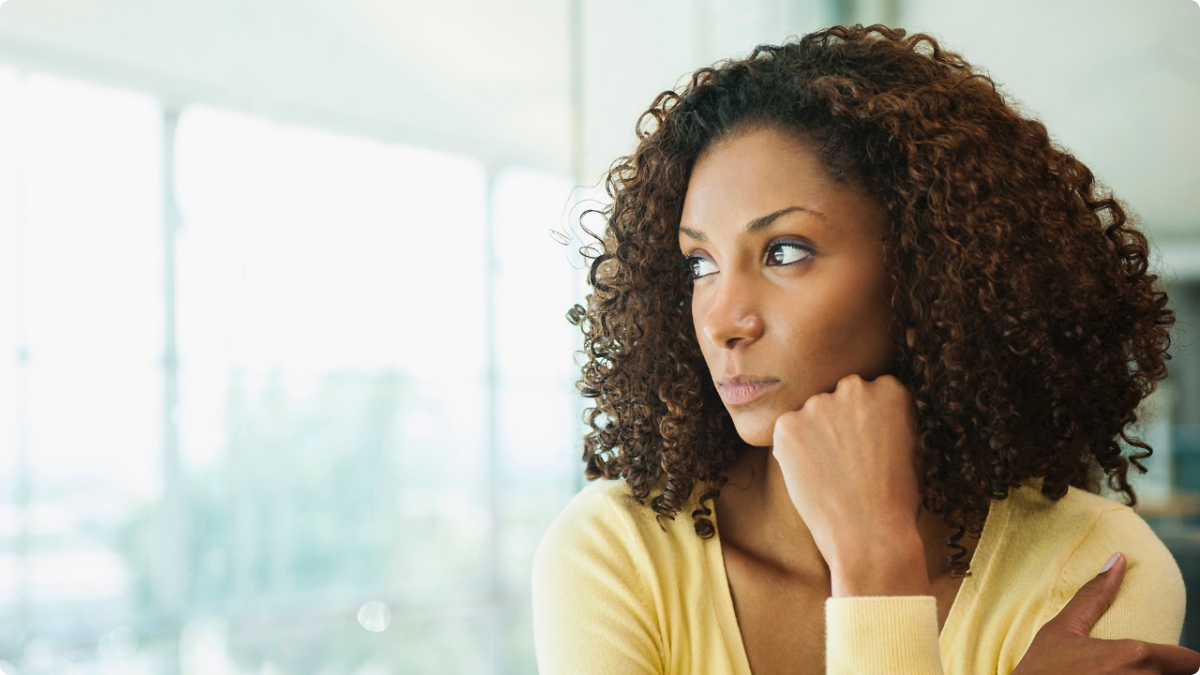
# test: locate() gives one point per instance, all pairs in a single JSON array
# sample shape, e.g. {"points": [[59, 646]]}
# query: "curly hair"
{"points": [[1027, 325]]}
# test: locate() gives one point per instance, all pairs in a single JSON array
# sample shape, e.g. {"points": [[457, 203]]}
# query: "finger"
{"points": [[1091, 601], [1173, 660]]}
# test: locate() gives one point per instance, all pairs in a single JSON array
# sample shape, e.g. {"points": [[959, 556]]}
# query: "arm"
{"points": [[847, 461], [1104, 626], [589, 612]]}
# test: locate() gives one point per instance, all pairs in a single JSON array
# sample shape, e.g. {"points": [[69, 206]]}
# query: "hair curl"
{"points": [[1028, 326]]}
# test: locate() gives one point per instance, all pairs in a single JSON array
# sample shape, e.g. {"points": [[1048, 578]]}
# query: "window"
{"points": [[286, 400]]}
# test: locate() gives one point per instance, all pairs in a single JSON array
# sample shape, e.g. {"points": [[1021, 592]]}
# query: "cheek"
{"points": [[866, 336], [698, 333]]}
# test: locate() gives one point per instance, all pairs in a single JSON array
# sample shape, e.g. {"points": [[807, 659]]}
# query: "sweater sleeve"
{"points": [[591, 614], [878, 635]]}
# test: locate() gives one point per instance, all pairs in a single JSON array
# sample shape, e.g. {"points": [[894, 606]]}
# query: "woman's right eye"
{"points": [[700, 266]]}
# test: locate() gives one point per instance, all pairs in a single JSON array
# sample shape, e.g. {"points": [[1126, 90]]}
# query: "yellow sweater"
{"points": [[615, 593]]}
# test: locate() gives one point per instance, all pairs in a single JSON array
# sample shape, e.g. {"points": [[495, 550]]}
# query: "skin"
{"points": [[797, 303], [812, 305]]}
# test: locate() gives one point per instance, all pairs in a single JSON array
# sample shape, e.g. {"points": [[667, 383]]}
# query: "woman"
{"points": [[878, 340]]}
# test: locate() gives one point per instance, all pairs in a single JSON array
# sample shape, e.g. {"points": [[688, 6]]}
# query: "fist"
{"points": [[848, 460]]}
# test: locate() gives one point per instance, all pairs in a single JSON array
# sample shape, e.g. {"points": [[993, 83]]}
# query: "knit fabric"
{"points": [[617, 591]]}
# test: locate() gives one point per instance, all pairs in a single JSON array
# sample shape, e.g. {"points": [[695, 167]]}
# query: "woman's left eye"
{"points": [[787, 252]]}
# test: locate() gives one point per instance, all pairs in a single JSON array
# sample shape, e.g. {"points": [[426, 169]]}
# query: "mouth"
{"points": [[744, 389]]}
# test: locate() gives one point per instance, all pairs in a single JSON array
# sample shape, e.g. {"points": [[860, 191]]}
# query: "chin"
{"points": [[755, 427]]}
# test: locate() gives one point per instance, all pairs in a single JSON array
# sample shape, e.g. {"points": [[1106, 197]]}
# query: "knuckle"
{"points": [[814, 402], [892, 384], [1139, 652], [898, 387], [787, 424], [1133, 652]]}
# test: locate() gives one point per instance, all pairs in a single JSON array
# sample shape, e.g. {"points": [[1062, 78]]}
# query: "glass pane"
{"points": [[333, 386], [342, 482], [335, 642], [303, 249], [94, 260], [81, 329]]}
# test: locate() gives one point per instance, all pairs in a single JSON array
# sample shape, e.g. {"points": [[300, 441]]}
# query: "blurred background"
{"points": [[285, 380]]}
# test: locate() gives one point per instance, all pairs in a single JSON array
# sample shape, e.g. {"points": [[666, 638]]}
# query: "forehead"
{"points": [[759, 171], [762, 152]]}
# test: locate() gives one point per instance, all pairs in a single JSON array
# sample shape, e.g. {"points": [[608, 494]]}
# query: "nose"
{"points": [[729, 314]]}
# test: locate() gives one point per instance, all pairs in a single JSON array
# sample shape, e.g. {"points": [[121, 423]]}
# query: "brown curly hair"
{"points": [[1027, 326]]}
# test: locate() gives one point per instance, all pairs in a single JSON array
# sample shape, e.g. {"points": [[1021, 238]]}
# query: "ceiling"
{"points": [[558, 84]]}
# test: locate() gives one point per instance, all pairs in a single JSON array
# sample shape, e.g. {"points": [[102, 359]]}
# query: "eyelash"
{"points": [[687, 262]]}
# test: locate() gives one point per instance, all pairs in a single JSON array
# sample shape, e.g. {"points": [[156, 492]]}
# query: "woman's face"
{"points": [[790, 292]]}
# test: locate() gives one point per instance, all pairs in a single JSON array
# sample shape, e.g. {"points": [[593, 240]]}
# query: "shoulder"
{"points": [[605, 521], [599, 503], [1076, 512], [598, 583], [1087, 528], [1082, 530], [604, 512]]}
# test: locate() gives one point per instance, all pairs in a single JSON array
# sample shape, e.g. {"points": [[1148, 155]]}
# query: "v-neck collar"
{"points": [[721, 598]]}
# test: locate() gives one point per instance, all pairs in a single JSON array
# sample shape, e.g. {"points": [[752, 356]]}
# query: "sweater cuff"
{"points": [[877, 635]]}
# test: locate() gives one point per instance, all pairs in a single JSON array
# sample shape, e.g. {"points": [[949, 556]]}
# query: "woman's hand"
{"points": [[1063, 645], [848, 462]]}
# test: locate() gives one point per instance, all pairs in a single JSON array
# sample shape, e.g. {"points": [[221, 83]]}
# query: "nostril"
{"points": [[730, 331]]}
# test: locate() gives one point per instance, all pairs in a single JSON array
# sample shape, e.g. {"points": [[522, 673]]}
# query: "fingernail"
{"points": [[1108, 565]]}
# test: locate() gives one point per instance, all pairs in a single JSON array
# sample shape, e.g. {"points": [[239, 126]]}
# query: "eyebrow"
{"points": [[754, 225]]}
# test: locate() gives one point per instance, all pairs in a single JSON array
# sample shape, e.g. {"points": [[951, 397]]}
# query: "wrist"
{"points": [[894, 568]]}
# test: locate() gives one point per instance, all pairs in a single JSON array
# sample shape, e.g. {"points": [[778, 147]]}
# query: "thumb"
{"points": [[1092, 600]]}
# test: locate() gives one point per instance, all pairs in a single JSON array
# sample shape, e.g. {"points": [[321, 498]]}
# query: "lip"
{"points": [[744, 389]]}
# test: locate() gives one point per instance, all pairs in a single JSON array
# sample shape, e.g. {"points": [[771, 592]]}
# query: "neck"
{"points": [[760, 512]]}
